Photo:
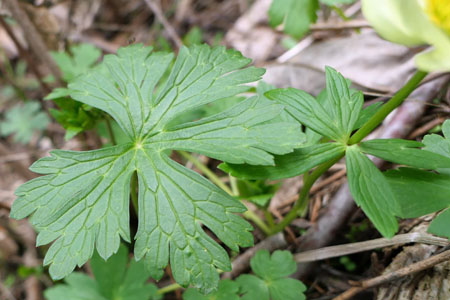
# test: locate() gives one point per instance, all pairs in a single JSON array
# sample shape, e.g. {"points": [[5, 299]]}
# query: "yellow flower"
{"points": [[414, 23]]}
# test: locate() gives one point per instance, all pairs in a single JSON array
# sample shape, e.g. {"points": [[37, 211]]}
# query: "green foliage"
{"points": [[298, 15], [270, 281], [74, 116], [81, 60], [193, 37], [114, 279], [337, 2], [23, 120], [334, 115], [295, 15], [438, 144], [256, 191], [83, 199], [228, 290], [421, 192], [371, 191]]}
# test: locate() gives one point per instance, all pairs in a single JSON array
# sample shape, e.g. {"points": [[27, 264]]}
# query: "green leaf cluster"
{"points": [[333, 117], [118, 278], [297, 15], [422, 192], [23, 120], [82, 202], [75, 117], [270, 281]]}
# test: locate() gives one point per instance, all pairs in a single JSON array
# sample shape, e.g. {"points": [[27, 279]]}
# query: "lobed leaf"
{"points": [[83, 199], [372, 192], [271, 281]]}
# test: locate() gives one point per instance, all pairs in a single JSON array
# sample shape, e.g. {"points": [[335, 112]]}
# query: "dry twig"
{"points": [[340, 250], [34, 39], [169, 28], [411, 269]]}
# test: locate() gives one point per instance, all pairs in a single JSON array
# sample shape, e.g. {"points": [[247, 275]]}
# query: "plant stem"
{"points": [[110, 131], [250, 215], [387, 108], [208, 173], [302, 201], [134, 195], [234, 187], [269, 218], [340, 13], [170, 288]]}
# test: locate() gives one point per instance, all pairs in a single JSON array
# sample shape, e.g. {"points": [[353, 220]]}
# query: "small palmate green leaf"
{"points": [[83, 201], [82, 58], [441, 224], [295, 15], [288, 165], [270, 281], [253, 287], [419, 192], [228, 290], [405, 152], [23, 121], [372, 192]]}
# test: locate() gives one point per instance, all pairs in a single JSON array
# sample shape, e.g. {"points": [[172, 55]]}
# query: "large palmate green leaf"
{"points": [[372, 192], [295, 15], [83, 200]]}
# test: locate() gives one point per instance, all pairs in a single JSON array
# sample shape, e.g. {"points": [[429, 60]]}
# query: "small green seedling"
{"points": [[270, 281], [24, 120]]}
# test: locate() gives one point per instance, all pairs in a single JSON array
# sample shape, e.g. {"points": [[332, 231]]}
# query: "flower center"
{"points": [[439, 13]]}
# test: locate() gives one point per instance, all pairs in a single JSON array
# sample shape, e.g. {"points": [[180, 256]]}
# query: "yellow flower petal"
{"points": [[439, 13]]}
